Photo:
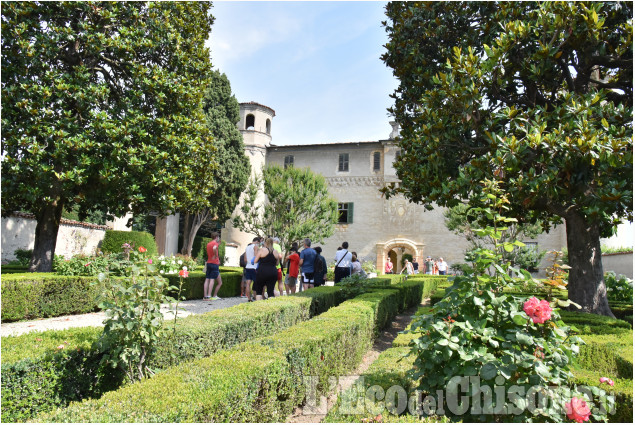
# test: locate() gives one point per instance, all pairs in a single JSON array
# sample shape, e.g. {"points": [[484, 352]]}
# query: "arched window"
{"points": [[250, 123], [268, 126]]}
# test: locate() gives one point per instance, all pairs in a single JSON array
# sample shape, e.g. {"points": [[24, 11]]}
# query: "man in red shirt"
{"points": [[294, 269], [212, 272]]}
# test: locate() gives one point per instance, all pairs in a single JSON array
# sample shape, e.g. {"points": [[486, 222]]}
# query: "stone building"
{"points": [[375, 227]]}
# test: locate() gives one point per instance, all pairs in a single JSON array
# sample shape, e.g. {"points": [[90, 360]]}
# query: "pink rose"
{"points": [[150, 261], [607, 380], [538, 310], [183, 273], [578, 410], [60, 347]]}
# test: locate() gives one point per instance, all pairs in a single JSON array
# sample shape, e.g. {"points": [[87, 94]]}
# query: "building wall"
{"points": [[18, 232], [381, 225]]}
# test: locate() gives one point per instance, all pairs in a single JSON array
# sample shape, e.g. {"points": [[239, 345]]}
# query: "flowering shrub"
{"points": [[81, 265], [538, 311], [173, 264], [134, 320], [479, 336], [618, 288], [578, 410]]}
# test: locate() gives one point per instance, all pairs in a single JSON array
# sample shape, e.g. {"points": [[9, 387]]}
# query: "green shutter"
{"points": [[350, 213]]}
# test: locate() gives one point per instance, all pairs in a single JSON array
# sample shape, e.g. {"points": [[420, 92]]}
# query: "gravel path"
{"points": [[96, 319]]}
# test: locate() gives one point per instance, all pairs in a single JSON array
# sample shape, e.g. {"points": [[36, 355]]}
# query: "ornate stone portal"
{"points": [[395, 249]]}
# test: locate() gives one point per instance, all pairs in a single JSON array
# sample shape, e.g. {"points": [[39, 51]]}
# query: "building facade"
{"points": [[375, 227]]}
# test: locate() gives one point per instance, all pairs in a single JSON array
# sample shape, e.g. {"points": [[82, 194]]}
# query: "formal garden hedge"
{"points": [[37, 376], [114, 239], [27, 296], [257, 381]]}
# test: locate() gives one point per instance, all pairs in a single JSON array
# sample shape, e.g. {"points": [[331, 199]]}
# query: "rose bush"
{"points": [[497, 340]]}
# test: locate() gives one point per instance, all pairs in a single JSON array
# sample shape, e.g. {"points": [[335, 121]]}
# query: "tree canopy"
{"points": [[536, 95], [102, 110], [222, 112], [290, 203]]}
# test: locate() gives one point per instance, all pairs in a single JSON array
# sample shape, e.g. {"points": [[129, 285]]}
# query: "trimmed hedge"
{"points": [[250, 383], [259, 381], [40, 382], [29, 296], [113, 239], [35, 295]]}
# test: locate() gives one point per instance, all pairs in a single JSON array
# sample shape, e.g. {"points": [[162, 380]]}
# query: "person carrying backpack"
{"points": [[320, 268]]}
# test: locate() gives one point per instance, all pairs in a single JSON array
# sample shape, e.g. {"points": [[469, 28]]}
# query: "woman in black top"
{"points": [[267, 272]]}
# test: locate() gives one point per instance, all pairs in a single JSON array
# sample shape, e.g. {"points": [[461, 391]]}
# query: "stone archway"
{"points": [[399, 246]]}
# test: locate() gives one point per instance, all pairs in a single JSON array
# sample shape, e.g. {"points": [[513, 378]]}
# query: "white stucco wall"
{"points": [[18, 232]]}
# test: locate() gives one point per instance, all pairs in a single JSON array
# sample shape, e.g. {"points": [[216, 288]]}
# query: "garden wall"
{"points": [[74, 237], [621, 263]]}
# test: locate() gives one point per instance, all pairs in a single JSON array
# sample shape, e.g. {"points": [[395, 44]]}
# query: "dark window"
{"points": [[268, 126], [376, 161], [288, 161], [345, 210], [250, 123], [398, 154], [343, 166]]}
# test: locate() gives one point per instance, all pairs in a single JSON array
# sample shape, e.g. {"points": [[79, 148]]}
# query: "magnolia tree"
{"points": [[102, 110], [536, 95], [296, 205]]}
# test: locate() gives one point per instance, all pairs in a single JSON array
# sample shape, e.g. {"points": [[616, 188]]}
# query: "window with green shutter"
{"points": [[345, 210]]}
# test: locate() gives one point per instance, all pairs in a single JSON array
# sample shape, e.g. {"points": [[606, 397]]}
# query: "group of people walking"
{"points": [[430, 266], [264, 265], [346, 263]]}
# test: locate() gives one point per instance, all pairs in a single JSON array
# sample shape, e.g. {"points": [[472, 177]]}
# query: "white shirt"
{"points": [[442, 265], [346, 261], [250, 256]]}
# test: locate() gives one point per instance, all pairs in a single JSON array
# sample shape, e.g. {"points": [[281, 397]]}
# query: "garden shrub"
{"points": [[323, 298], [13, 268], [48, 377], [27, 296], [193, 337], [246, 384], [37, 295], [258, 381], [618, 288], [114, 239], [477, 329]]}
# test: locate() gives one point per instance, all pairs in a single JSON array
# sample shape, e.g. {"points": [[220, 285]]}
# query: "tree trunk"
{"points": [[186, 248], [196, 221], [586, 277], [48, 224]]}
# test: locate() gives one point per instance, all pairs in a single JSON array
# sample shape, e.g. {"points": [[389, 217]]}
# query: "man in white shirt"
{"points": [[442, 266], [250, 268], [343, 260]]}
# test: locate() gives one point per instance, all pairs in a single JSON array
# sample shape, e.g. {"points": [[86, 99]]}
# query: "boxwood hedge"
{"points": [[114, 239], [46, 378], [258, 381], [27, 296]]}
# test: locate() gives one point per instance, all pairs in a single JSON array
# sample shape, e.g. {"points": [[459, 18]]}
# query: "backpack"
{"points": [[317, 266], [243, 263]]}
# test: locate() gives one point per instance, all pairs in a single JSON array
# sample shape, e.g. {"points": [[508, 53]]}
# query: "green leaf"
{"points": [[523, 338], [488, 371]]}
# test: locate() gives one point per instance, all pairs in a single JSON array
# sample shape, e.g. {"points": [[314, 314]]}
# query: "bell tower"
{"points": [[255, 126]]}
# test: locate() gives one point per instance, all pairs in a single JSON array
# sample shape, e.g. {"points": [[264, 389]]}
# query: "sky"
{"points": [[317, 64]]}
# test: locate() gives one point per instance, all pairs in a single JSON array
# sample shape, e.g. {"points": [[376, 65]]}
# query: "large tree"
{"points": [[536, 95], [102, 110], [222, 112], [290, 203]]}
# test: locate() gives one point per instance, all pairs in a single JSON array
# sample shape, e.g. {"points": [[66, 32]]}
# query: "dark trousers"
{"points": [[341, 273]]}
